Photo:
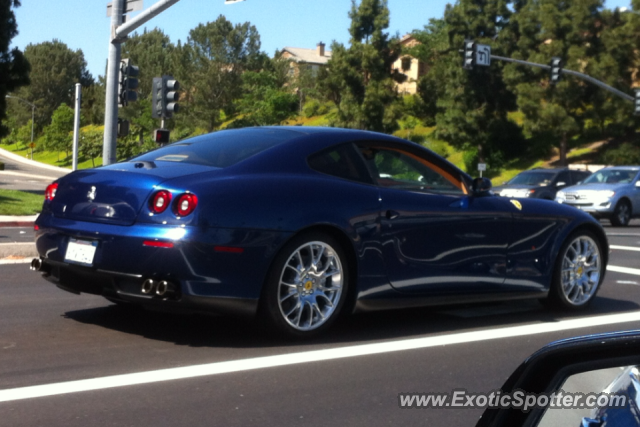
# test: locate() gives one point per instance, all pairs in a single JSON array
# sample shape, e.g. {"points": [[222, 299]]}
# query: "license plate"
{"points": [[81, 251]]}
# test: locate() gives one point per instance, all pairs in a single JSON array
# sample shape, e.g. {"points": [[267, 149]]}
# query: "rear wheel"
{"points": [[578, 272], [307, 286], [621, 214]]}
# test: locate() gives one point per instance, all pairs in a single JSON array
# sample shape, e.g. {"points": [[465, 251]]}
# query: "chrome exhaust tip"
{"points": [[164, 288], [148, 286], [36, 264]]}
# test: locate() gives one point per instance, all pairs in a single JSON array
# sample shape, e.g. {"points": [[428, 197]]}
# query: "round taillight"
{"points": [[185, 204], [50, 192], [160, 201]]}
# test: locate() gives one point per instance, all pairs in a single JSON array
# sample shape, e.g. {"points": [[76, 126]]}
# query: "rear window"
{"points": [[219, 149]]}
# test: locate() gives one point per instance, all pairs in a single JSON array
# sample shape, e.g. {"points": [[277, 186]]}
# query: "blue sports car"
{"points": [[300, 225]]}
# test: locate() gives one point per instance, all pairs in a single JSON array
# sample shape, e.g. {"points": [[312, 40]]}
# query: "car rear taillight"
{"points": [[160, 201], [185, 204], [50, 192]]}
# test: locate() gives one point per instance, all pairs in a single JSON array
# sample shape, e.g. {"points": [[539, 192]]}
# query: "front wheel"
{"points": [[306, 286], [579, 270], [621, 214]]}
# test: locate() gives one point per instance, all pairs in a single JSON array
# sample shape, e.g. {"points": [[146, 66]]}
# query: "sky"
{"points": [[83, 24]]}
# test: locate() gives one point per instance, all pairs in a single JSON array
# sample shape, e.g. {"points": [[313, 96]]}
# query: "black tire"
{"points": [[580, 255], [304, 299], [621, 214]]}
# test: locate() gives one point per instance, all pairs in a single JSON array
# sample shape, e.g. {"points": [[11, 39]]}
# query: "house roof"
{"points": [[309, 56]]}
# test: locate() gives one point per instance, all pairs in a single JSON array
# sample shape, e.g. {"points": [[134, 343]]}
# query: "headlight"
{"points": [[560, 195], [607, 194]]}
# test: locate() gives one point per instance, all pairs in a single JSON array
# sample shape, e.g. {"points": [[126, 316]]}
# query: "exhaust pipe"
{"points": [[165, 288], [148, 286], [36, 264]]}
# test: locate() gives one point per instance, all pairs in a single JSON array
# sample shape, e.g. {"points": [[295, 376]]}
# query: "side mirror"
{"points": [[637, 184], [481, 186], [561, 184], [550, 369]]}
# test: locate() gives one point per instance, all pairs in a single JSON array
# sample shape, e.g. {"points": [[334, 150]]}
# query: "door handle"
{"points": [[390, 214]]}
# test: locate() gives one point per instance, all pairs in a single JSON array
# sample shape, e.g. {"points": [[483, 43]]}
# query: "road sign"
{"points": [[32, 145], [131, 6], [482, 167], [483, 55]]}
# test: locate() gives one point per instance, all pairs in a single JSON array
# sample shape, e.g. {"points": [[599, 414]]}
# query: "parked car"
{"points": [[299, 224], [612, 193], [541, 183]]}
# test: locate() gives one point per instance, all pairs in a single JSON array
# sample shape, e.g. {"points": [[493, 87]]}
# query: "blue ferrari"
{"points": [[301, 225]]}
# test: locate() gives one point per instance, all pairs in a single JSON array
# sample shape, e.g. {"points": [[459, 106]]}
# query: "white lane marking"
{"points": [[625, 248], [624, 234], [308, 357], [627, 270], [626, 282]]}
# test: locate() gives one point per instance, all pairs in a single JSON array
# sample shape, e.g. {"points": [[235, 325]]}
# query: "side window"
{"points": [[342, 161], [564, 177], [401, 170]]}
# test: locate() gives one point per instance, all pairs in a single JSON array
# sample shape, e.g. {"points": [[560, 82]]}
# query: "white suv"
{"points": [[612, 193]]}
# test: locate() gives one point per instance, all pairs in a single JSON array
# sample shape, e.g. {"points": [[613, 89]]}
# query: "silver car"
{"points": [[612, 193]]}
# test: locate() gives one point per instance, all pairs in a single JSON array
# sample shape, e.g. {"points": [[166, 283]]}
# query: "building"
{"points": [[315, 58], [409, 66]]}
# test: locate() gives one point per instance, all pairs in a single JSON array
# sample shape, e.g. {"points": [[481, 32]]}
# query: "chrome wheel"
{"points": [[310, 286], [581, 270]]}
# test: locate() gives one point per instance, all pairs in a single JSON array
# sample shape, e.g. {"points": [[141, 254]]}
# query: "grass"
{"points": [[14, 202]]}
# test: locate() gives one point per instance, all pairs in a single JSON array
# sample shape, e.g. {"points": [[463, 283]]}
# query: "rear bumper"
{"points": [[203, 277]]}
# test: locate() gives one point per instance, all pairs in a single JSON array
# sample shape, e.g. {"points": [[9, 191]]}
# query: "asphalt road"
{"points": [[48, 336]]}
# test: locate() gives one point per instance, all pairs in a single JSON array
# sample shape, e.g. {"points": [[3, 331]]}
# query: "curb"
{"points": [[16, 224], [17, 221]]}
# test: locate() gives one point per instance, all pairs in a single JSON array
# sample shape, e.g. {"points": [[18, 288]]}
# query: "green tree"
{"points": [[55, 70], [265, 101], [210, 66], [91, 139], [14, 67], [360, 76], [58, 133]]}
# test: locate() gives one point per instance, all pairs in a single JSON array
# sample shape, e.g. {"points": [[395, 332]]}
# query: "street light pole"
{"points": [[33, 110]]}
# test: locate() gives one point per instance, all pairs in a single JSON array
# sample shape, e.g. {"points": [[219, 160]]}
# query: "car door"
{"points": [[435, 238]]}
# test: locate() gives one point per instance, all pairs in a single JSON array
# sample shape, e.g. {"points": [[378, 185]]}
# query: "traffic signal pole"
{"points": [[111, 95], [571, 73], [119, 32]]}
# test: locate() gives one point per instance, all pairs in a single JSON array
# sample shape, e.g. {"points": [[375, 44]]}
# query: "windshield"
{"points": [[533, 178], [611, 176], [218, 149]]}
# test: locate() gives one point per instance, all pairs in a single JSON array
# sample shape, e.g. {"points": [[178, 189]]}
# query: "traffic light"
{"points": [[161, 136], [555, 71], [164, 97], [123, 128], [469, 54], [127, 83], [636, 103]]}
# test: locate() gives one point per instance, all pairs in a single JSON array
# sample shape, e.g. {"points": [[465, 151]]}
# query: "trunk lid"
{"points": [[116, 193]]}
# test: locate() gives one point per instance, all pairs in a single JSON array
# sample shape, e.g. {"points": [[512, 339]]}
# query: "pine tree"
{"points": [[360, 76]]}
